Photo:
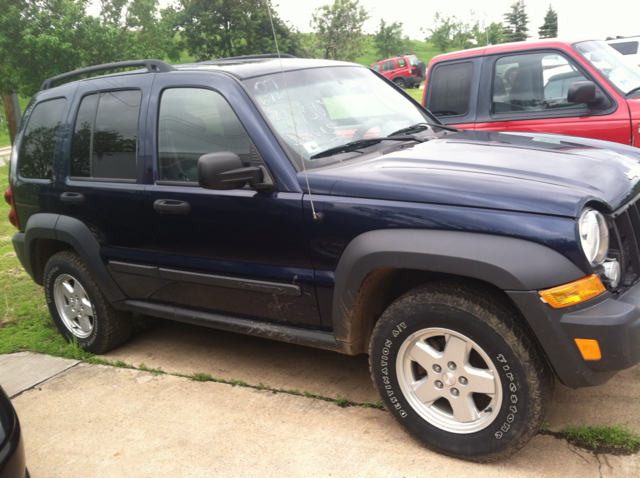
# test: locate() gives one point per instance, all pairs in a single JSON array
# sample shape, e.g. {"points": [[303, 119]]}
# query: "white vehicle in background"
{"points": [[627, 46]]}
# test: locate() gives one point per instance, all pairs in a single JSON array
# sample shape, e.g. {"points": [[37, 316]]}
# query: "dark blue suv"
{"points": [[314, 202]]}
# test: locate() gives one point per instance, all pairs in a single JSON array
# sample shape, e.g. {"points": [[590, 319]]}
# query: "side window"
{"points": [[533, 82], [105, 137], [450, 93], [35, 160], [625, 48], [388, 66], [402, 62], [193, 122]]}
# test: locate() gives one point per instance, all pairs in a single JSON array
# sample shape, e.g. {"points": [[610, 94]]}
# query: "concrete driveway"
{"points": [[101, 421]]}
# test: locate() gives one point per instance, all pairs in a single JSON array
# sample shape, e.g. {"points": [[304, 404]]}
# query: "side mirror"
{"points": [[583, 92], [225, 170]]}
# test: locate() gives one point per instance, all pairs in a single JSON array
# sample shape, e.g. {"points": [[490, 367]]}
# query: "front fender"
{"points": [[507, 263]]}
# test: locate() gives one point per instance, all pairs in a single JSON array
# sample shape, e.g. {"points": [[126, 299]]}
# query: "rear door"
{"points": [[237, 252], [452, 91], [104, 180]]}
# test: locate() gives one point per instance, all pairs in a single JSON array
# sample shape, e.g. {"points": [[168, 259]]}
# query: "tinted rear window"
{"points": [[451, 89], [626, 48], [105, 138], [38, 143]]}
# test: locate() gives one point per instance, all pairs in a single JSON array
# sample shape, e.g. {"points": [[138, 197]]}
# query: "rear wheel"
{"points": [[78, 307], [400, 83], [457, 371]]}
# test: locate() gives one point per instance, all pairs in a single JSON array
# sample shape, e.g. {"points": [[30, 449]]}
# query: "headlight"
{"points": [[594, 236]]}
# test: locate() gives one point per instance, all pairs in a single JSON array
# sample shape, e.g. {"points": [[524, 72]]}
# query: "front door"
{"points": [[237, 252]]}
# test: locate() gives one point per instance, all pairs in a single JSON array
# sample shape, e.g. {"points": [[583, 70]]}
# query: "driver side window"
{"points": [[193, 122], [533, 82]]}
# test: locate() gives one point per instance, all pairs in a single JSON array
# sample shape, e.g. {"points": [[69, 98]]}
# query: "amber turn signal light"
{"points": [[589, 348], [573, 292]]}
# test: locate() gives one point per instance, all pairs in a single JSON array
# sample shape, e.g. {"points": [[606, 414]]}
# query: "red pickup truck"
{"points": [[582, 88]]}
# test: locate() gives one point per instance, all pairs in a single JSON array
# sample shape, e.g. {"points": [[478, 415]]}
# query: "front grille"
{"points": [[625, 240]]}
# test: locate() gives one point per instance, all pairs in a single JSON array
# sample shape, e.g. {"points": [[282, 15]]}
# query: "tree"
{"points": [[549, 28], [388, 39], [516, 26], [441, 34], [44, 38], [225, 28], [491, 35], [338, 29]]}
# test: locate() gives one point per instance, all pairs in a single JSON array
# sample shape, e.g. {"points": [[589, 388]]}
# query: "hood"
{"points": [[526, 172]]}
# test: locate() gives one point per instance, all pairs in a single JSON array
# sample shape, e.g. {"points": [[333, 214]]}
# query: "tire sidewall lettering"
{"points": [[507, 424]]}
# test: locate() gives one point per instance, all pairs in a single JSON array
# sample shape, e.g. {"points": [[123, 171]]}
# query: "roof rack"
{"points": [[254, 57], [155, 66]]}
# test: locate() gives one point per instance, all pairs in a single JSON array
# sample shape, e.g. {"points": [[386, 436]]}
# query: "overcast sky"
{"points": [[577, 19]]}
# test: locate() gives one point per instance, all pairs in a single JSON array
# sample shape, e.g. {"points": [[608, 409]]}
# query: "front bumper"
{"points": [[613, 322]]}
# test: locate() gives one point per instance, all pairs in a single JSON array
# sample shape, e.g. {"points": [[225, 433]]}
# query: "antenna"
{"points": [[317, 218]]}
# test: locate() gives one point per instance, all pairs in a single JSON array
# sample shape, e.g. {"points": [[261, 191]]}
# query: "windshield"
{"points": [[322, 108], [621, 73]]}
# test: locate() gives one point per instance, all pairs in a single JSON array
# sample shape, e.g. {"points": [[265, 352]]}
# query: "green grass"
{"points": [[25, 323], [423, 50], [603, 439]]}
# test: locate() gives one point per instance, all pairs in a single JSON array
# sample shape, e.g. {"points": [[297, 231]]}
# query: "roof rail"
{"points": [[254, 57], [157, 66]]}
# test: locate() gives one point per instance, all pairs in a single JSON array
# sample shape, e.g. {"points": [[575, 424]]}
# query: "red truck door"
{"points": [[527, 91]]}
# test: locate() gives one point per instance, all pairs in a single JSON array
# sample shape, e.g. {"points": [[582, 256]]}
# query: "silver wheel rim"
{"points": [[73, 305], [449, 380]]}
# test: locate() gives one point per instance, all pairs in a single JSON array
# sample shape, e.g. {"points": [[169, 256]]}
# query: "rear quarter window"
{"points": [[35, 160], [450, 92]]}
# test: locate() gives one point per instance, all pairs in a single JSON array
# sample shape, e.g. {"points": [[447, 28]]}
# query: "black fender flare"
{"points": [[505, 262], [75, 233]]}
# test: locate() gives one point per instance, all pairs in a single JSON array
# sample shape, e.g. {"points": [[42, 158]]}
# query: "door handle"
{"points": [[171, 206], [72, 198]]}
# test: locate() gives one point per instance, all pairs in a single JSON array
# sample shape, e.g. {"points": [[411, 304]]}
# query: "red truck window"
{"points": [[451, 89], [533, 82], [402, 62], [389, 65]]}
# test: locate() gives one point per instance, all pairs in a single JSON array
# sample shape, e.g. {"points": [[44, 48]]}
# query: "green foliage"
{"points": [[549, 28], [225, 28], [516, 28], [603, 438], [449, 32], [388, 39], [44, 38], [441, 35], [338, 29]]}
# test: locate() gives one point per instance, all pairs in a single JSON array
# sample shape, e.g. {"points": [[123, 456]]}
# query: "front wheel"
{"points": [[79, 309], [457, 371]]}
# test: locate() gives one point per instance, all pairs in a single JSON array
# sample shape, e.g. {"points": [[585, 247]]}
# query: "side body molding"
{"points": [[507, 263], [77, 235]]}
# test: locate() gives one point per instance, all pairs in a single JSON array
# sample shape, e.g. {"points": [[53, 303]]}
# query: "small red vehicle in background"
{"points": [[405, 71], [582, 88]]}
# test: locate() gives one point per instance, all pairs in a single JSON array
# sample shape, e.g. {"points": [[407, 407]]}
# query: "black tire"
{"points": [[78, 307], [482, 331], [400, 83]]}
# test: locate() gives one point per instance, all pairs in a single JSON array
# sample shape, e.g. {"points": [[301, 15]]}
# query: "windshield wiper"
{"points": [[633, 90], [363, 143], [416, 128]]}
